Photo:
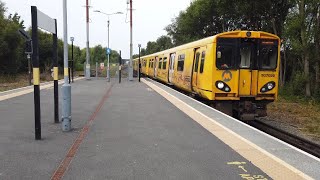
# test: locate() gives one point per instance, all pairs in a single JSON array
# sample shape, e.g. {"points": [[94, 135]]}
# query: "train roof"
{"points": [[212, 39]]}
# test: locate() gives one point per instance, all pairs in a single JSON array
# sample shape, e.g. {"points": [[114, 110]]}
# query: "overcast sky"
{"points": [[150, 17]]}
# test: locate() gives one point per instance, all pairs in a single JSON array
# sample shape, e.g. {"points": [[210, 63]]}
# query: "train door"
{"points": [[171, 67], [147, 67], [155, 67], [195, 68], [245, 68]]}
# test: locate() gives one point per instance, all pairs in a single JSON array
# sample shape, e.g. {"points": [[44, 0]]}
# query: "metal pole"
{"points": [[88, 50], [72, 60], [55, 75], [36, 73], [69, 72], [131, 50], [29, 68], [96, 70], [108, 68], [120, 63], [139, 64], [66, 87]]}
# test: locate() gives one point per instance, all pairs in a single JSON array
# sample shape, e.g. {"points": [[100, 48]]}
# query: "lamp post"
{"points": [[87, 49], [108, 64], [66, 87], [139, 45], [131, 46]]}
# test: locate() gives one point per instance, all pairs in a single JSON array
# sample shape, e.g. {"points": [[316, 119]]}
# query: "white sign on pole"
{"points": [[45, 22], [101, 65]]}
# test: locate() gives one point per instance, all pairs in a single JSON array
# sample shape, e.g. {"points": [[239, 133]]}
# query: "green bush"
{"points": [[78, 67], [295, 88]]}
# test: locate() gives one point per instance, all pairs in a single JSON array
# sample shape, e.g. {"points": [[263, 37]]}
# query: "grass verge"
{"points": [[298, 112], [21, 80]]}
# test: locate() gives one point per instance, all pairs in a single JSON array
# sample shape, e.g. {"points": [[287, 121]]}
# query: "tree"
{"points": [[164, 42], [10, 43], [205, 18]]}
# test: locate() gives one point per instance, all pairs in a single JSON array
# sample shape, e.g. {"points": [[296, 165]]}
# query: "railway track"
{"points": [[301, 143]]}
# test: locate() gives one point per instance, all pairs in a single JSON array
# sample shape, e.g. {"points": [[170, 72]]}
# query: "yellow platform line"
{"points": [[270, 164], [30, 90]]}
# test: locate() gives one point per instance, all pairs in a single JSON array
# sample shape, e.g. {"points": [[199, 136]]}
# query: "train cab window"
{"points": [[196, 64], [225, 57], [164, 64], [159, 64], [227, 53], [203, 57], [268, 57], [181, 62], [245, 54]]}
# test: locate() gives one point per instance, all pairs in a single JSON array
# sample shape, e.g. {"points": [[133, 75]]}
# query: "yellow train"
{"points": [[236, 72]]}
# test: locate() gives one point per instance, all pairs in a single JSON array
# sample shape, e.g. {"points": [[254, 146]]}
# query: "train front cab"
{"points": [[245, 73]]}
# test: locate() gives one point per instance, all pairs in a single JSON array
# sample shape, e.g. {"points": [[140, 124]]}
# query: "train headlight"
{"points": [[268, 87], [220, 85], [223, 86]]}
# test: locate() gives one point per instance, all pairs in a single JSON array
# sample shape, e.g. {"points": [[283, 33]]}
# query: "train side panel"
{"points": [[202, 71]]}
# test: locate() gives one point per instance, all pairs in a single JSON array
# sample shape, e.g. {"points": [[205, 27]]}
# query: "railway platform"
{"points": [[138, 130]]}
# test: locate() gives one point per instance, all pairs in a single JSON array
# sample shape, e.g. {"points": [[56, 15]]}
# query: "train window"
{"points": [[181, 62], [156, 60], [172, 56], [245, 54], [159, 64], [225, 57], [196, 64], [268, 56], [203, 57], [164, 64]]}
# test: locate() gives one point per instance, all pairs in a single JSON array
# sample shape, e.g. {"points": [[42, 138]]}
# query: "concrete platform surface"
{"points": [[21, 156], [275, 157], [140, 135], [121, 131]]}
